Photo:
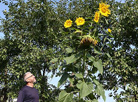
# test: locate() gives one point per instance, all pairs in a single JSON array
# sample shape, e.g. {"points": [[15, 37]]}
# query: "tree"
{"points": [[30, 30]]}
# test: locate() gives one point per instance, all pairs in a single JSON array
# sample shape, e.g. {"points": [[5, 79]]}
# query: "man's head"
{"points": [[29, 77]]}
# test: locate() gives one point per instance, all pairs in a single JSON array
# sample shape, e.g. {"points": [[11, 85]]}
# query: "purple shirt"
{"points": [[28, 94]]}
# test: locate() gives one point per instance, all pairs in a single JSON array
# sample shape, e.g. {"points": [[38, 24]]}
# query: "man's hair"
{"points": [[25, 75]]}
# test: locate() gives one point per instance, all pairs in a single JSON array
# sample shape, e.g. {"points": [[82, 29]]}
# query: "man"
{"points": [[28, 93]]}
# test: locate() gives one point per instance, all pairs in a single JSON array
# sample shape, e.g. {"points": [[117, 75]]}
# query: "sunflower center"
{"points": [[96, 17], [103, 9], [80, 21], [69, 23]]}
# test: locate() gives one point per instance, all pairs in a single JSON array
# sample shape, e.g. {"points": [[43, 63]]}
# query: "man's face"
{"points": [[30, 78]]}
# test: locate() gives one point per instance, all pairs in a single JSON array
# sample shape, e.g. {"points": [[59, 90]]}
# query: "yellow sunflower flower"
{"points": [[80, 21], [103, 8], [68, 23], [97, 16], [109, 30]]}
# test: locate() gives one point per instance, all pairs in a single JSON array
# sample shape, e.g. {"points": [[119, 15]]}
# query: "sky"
{"points": [[2, 7], [55, 79]]}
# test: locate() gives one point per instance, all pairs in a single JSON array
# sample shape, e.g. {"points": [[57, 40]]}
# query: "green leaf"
{"points": [[63, 79], [79, 75], [79, 85], [69, 50], [108, 55], [97, 52], [100, 34], [109, 45], [95, 100], [109, 40], [69, 97], [90, 57], [71, 59], [96, 82], [106, 21], [54, 60], [85, 89], [65, 97], [71, 80], [50, 67], [90, 86], [62, 95], [98, 65], [110, 35], [99, 89]]}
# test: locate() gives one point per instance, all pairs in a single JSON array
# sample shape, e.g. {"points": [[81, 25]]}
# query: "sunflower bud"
{"points": [[88, 40]]}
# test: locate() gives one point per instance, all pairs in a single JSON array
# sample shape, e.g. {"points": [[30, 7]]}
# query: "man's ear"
{"points": [[27, 80]]}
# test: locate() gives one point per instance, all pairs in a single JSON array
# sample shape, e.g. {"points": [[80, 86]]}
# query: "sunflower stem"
{"points": [[84, 59]]}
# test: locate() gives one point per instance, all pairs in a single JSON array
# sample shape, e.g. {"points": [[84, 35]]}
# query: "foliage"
{"points": [[30, 30]]}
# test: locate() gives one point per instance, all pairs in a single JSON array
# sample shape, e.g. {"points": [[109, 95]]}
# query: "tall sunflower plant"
{"points": [[82, 44]]}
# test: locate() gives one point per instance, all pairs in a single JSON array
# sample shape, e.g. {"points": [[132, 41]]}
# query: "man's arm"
{"points": [[20, 96]]}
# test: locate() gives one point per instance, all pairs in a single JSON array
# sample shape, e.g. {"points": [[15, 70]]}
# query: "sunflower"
{"points": [[103, 8], [97, 16], [68, 23], [109, 30], [80, 21], [88, 40]]}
